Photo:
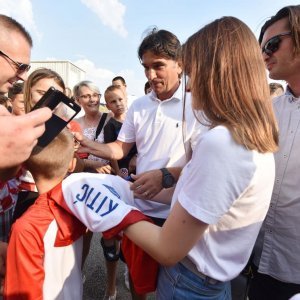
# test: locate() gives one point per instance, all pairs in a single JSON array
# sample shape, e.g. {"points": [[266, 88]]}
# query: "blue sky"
{"points": [[102, 36]]}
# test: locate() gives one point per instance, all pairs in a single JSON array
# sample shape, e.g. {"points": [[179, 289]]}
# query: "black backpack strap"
{"points": [[101, 124]]}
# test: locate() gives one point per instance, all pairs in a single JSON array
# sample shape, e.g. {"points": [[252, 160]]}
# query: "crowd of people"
{"points": [[194, 186]]}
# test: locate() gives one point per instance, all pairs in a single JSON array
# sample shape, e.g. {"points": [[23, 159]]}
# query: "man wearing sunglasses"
{"points": [[277, 250], [18, 133]]}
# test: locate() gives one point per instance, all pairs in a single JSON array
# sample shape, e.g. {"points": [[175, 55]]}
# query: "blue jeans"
{"points": [[179, 283]]}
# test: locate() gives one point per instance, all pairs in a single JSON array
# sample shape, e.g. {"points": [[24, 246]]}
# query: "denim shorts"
{"points": [[179, 283]]}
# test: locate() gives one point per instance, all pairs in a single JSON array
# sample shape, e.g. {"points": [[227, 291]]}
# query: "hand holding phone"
{"points": [[63, 111]]}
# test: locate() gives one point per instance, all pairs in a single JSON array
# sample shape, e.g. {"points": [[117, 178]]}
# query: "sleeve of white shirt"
{"points": [[198, 130], [99, 201], [127, 132], [218, 173]]}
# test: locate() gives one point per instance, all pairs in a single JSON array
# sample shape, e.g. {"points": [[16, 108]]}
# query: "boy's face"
{"points": [[115, 102], [18, 106], [120, 84]]}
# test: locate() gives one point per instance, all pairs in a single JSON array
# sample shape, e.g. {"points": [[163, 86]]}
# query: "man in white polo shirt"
{"points": [[154, 123]]}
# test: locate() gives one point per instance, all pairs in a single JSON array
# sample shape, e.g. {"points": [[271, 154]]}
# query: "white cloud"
{"points": [[21, 10], [110, 12], [103, 77]]}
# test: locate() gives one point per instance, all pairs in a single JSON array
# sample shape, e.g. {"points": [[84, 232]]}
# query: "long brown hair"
{"points": [[228, 82]]}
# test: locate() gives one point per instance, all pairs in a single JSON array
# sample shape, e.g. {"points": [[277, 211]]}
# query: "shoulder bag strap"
{"points": [[101, 124]]}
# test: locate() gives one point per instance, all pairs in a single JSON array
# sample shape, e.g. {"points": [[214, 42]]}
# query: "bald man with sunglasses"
{"points": [[277, 249], [18, 133]]}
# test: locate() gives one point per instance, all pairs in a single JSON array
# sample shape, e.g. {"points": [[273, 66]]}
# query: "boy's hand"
{"points": [[107, 169], [78, 136]]}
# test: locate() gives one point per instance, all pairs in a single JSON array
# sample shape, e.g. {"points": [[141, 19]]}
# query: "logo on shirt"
{"points": [[99, 202]]}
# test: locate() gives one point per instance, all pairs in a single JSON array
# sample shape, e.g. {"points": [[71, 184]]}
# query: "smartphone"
{"points": [[63, 111]]}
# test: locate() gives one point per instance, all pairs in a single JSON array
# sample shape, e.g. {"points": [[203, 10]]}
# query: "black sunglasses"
{"points": [[21, 68], [272, 45]]}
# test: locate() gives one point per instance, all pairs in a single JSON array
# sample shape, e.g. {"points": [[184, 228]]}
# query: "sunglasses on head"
{"points": [[272, 45], [21, 68]]}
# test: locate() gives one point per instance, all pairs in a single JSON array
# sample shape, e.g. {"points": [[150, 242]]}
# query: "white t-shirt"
{"points": [[228, 187], [156, 127], [97, 200]]}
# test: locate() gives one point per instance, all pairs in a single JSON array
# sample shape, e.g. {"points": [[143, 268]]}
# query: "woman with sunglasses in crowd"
{"points": [[224, 192]]}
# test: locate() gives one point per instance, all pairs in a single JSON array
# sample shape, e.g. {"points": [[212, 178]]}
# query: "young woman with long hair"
{"points": [[224, 192]]}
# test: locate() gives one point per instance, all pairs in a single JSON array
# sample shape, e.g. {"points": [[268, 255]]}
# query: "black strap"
{"points": [[101, 124]]}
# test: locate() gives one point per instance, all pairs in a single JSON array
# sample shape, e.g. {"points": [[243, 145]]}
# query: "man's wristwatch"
{"points": [[167, 178]]}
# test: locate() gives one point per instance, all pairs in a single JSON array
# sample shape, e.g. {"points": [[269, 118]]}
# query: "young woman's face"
{"points": [[41, 87]]}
